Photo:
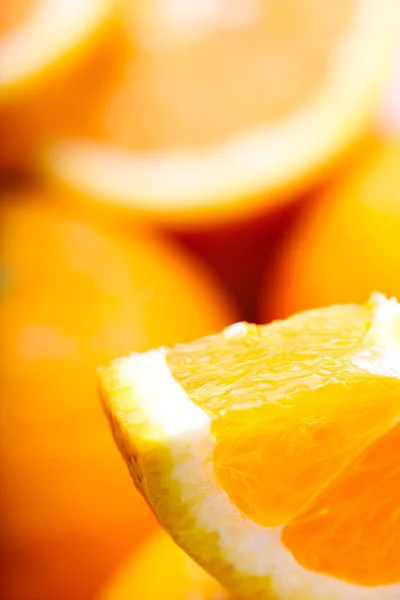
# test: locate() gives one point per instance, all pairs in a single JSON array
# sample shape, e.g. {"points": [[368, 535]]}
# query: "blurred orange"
{"points": [[162, 571], [74, 296], [223, 109], [54, 57], [347, 244]]}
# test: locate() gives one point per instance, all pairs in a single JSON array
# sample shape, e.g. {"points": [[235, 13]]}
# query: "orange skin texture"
{"points": [[73, 297], [346, 244]]}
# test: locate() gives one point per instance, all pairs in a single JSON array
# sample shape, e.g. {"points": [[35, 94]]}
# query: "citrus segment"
{"points": [[245, 442], [274, 434], [353, 530], [289, 452], [298, 346]]}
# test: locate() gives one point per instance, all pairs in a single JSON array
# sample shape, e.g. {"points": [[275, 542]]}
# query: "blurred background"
{"points": [[168, 167]]}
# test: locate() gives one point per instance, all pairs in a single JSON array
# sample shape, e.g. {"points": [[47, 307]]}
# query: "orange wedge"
{"points": [[162, 571], [224, 110], [270, 453]]}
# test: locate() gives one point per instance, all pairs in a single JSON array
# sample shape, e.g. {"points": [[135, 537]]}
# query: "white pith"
{"points": [[381, 352], [170, 420], [270, 157], [45, 35]]}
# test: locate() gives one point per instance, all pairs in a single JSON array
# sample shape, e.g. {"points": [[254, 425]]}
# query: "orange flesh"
{"points": [[353, 530], [13, 12], [202, 70], [292, 415], [301, 445]]}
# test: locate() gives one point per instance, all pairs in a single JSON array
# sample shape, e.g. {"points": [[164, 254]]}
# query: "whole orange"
{"points": [[72, 297], [347, 244]]}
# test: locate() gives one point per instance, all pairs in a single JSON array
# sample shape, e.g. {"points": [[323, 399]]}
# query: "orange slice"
{"points": [[271, 453], [223, 108], [160, 570]]}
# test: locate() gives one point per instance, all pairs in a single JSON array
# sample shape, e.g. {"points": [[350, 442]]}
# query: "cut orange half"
{"points": [[223, 108], [35, 36], [271, 454]]}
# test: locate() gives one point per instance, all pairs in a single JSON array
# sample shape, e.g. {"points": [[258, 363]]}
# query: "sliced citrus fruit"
{"points": [[270, 453], [35, 35], [223, 108], [160, 570], [362, 211]]}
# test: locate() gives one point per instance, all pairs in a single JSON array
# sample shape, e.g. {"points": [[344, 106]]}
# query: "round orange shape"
{"points": [[73, 296], [346, 245]]}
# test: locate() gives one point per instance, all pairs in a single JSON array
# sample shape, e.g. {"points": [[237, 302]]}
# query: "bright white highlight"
{"points": [[166, 404]]}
